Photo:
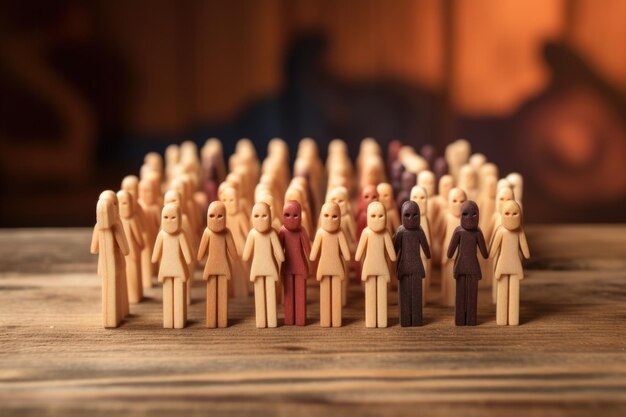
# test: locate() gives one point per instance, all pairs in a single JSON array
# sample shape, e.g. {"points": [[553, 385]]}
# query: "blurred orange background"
{"points": [[87, 88]]}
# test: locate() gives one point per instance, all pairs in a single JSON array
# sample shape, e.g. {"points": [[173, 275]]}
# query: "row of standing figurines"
{"points": [[269, 254]]}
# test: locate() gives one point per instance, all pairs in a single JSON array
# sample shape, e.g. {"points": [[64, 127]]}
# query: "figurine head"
{"points": [[517, 182], [446, 183], [130, 183], [330, 217], [426, 179], [409, 179], [105, 216], [216, 217], [172, 197], [511, 215], [376, 217], [261, 217], [385, 195], [488, 168], [410, 215], [477, 160], [292, 215], [504, 194], [420, 197], [368, 195], [171, 218], [456, 198], [230, 198], [339, 196], [469, 215], [126, 204], [112, 197]]}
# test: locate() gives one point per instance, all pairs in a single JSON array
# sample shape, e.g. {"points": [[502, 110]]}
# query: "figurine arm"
{"points": [[120, 237], [277, 247], [454, 244], [306, 242], [204, 244], [95, 241], [424, 243], [397, 241], [389, 246], [362, 246], [523, 243], [495, 244], [230, 245], [136, 234], [482, 245], [249, 247], [184, 246], [316, 246], [158, 248], [343, 246]]}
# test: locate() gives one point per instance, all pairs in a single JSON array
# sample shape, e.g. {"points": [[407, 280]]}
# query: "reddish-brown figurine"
{"points": [[294, 271]]}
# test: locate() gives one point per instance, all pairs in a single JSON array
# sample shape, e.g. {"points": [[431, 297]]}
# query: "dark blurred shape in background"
{"points": [[87, 88]]}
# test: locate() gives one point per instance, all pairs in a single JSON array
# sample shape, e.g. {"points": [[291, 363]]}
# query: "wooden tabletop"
{"points": [[568, 356]]}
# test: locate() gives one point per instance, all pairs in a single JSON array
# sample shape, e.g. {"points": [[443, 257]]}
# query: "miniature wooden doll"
{"points": [[409, 179], [437, 207], [294, 271], [420, 197], [174, 197], [451, 221], [263, 247], [517, 182], [132, 230], [409, 237], [237, 223], [174, 254], [218, 244], [340, 196], [509, 240], [109, 243], [467, 238], [385, 196], [395, 175], [332, 247], [440, 168], [468, 181], [374, 244], [150, 205]]}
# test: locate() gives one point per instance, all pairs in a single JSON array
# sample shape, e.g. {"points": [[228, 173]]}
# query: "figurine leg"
{"points": [[270, 295], [381, 300], [180, 303], [502, 308], [471, 306], [289, 308], [514, 300], [133, 280], [325, 301], [461, 301], [146, 267], [404, 300], [121, 298], [416, 301], [344, 285], [426, 283], [168, 303], [239, 279], [211, 302], [259, 302], [188, 284], [370, 302], [222, 301], [447, 284], [335, 301], [494, 282], [300, 299]]}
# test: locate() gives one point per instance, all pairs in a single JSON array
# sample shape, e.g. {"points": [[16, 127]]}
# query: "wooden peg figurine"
{"points": [[263, 248], [109, 243], [456, 198], [368, 194], [410, 269], [294, 271], [509, 240], [132, 230], [218, 244], [420, 197], [409, 179], [385, 196], [238, 224], [149, 201], [467, 238], [376, 249], [340, 196], [173, 253], [331, 246]]}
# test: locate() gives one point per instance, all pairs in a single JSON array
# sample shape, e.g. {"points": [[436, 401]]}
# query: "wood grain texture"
{"points": [[568, 356]]}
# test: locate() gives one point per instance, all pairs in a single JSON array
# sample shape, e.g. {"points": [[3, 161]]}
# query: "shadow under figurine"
{"points": [[410, 269], [466, 238]]}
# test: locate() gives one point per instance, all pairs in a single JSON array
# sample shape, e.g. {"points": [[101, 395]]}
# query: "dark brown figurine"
{"points": [[409, 180], [410, 269], [467, 237], [295, 269]]}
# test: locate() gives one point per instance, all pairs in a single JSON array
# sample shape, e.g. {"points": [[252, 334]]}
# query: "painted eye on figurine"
{"points": [[219, 216], [265, 216], [407, 215], [166, 217], [507, 213], [373, 216], [287, 215], [256, 216], [295, 216], [474, 215], [454, 201], [380, 216], [211, 216], [173, 217], [325, 214], [334, 217]]}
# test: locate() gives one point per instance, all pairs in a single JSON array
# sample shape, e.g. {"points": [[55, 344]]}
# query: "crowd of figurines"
{"points": [[268, 230]]}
